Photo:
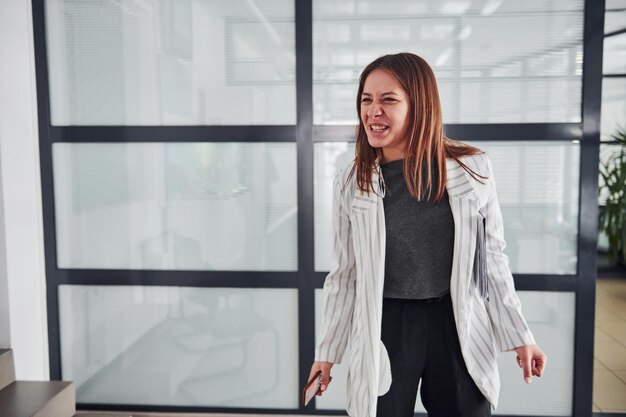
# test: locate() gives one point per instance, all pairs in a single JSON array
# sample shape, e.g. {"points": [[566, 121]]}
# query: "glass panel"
{"points": [[612, 118], [614, 54], [613, 106], [615, 15], [181, 346], [538, 191], [614, 20], [176, 206], [615, 4], [329, 158], [537, 185], [532, 72], [163, 62], [607, 152], [550, 316]]}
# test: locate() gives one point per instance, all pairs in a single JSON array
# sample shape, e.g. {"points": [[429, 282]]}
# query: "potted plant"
{"points": [[612, 219]]}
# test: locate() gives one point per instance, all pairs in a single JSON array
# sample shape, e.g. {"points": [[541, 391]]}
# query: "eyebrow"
{"points": [[383, 94]]}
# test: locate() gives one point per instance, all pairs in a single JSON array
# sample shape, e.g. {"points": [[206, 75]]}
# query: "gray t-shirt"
{"points": [[420, 240]]}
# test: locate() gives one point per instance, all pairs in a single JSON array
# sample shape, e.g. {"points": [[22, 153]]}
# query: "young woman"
{"points": [[419, 282]]}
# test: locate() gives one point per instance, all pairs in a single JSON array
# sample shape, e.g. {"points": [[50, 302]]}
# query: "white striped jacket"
{"points": [[353, 290]]}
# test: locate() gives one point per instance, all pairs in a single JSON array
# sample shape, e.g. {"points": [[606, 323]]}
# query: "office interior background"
{"points": [[166, 170]]}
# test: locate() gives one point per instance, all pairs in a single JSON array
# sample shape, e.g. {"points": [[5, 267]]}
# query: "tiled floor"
{"points": [[609, 373]]}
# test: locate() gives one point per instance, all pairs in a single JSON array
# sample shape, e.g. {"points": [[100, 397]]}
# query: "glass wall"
{"points": [[613, 89], [181, 346], [165, 62], [173, 206], [187, 194], [530, 72]]}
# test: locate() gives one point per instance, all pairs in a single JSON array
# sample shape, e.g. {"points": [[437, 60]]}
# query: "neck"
{"points": [[389, 155]]}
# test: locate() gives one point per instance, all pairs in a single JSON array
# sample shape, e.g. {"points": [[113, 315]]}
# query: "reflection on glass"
{"points": [[182, 206], [550, 316], [159, 62], [180, 346], [537, 186], [531, 72]]}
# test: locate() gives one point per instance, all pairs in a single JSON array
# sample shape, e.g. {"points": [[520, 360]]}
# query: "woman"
{"points": [[419, 281]]}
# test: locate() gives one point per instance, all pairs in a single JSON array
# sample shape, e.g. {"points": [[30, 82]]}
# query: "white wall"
{"points": [[5, 330], [22, 270]]}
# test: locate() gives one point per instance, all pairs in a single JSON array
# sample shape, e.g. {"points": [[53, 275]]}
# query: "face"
{"points": [[385, 114]]}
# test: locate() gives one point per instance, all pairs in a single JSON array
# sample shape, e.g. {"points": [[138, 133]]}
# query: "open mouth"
{"points": [[378, 128]]}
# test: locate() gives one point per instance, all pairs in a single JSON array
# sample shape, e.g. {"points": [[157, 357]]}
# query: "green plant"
{"points": [[613, 213]]}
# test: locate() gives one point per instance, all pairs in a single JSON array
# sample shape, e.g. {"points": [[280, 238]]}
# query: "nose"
{"points": [[374, 111]]}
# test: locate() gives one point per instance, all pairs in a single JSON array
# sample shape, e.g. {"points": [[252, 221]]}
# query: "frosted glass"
{"points": [[614, 57], [613, 114], [176, 206], [530, 72], [160, 62], [329, 158], [537, 185], [180, 346], [614, 20], [550, 316]]}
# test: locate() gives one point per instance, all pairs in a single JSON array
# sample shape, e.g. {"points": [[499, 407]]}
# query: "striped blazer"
{"points": [[353, 290]]}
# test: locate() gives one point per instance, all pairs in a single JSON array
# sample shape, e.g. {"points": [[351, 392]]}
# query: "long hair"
{"points": [[427, 146]]}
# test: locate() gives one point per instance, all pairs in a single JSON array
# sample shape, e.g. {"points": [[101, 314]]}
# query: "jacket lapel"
{"points": [[464, 204], [458, 182], [368, 201]]}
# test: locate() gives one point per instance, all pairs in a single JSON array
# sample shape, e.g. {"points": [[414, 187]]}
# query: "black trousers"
{"points": [[422, 342]]}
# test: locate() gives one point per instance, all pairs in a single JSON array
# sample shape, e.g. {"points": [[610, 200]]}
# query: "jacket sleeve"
{"points": [[504, 307], [339, 286]]}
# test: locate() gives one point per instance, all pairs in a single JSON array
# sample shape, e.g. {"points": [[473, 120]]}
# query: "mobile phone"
{"points": [[312, 388]]}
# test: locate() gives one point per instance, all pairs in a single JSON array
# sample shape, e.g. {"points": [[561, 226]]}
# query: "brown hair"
{"points": [[426, 143]]}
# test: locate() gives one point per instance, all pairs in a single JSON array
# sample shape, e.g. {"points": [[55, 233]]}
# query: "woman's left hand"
{"points": [[532, 360]]}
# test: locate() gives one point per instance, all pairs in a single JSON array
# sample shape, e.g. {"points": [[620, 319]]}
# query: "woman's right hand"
{"points": [[326, 378]]}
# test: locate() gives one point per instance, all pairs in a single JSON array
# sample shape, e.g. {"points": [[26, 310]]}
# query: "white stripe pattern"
{"points": [[353, 288]]}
